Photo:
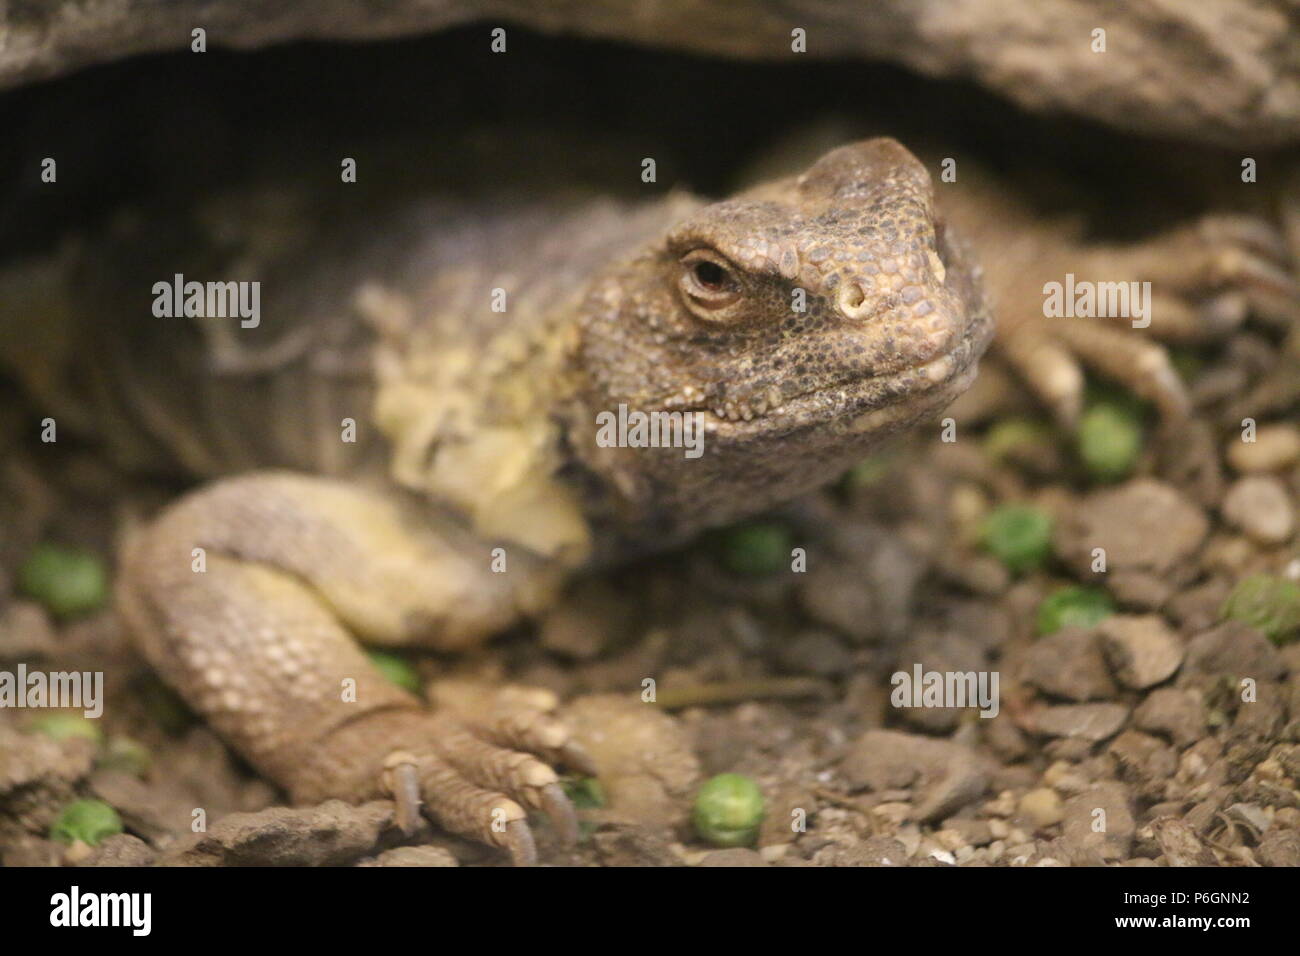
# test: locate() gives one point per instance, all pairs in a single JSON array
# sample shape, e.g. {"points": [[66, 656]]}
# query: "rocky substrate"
{"points": [[1162, 734]]}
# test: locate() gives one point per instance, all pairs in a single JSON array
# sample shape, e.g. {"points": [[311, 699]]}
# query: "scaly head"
{"points": [[803, 320]]}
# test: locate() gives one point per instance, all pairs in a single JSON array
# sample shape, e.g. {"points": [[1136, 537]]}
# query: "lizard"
{"points": [[476, 484]]}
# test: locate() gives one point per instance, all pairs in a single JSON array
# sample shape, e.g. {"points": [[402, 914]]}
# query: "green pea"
{"points": [[1073, 606], [397, 670], [66, 726], [126, 755], [1020, 536], [757, 548], [1269, 604], [867, 472], [728, 810], [1187, 363], [68, 582], [1109, 440], [1010, 436], [586, 793], [90, 821]]}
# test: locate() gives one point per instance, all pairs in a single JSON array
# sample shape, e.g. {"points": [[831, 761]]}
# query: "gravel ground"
{"points": [[1162, 734]]}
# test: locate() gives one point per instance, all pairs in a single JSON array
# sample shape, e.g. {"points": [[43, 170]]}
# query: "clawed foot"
{"points": [[1205, 279], [485, 767]]}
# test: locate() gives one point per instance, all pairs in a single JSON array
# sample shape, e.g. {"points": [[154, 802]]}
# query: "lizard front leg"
{"points": [[248, 597], [1204, 278]]}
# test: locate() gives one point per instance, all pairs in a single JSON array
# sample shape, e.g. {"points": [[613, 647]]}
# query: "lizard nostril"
{"points": [[853, 300]]}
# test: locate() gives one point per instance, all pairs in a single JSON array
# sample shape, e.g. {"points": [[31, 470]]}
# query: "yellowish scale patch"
{"points": [[429, 404]]}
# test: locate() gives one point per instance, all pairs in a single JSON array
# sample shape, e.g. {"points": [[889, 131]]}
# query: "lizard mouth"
{"points": [[866, 403]]}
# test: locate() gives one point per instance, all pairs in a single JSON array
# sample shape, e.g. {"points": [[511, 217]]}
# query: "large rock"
{"points": [[1226, 71]]}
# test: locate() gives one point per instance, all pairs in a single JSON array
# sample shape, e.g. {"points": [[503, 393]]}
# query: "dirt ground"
{"points": [[1141, 721]]}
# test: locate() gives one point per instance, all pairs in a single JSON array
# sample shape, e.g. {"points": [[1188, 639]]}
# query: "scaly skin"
{"points": [[476, 431]]}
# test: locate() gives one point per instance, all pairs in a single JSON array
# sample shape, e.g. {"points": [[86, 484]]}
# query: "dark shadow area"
{"points": [[185, 124]]}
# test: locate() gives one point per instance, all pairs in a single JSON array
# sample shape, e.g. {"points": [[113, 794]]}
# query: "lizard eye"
{"points": [[708, 282], [710, 275]]}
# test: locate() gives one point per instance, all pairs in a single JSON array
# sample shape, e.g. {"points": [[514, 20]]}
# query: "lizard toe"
{"points": [[458, 803], [514, 757]]}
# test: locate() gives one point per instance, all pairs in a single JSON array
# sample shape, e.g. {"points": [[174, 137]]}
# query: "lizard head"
{"points": [[803, 320]]}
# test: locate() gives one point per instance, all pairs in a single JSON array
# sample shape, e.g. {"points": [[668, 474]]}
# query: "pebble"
{"points": [[1085, 721], [775, 852], [875, 851], [950, 839], [1280, 848], [1180, 844], [834, 596], [944, 652], [1005, 738], [123, 849], [1197, 608], [1144, 524], [776, 828], [589, 618], [1020, 853], [947, 775], [1275, 447], [1176, 713], [737, 856], [329, 834], [1141, 648], [816, 652], [1250, 814], [867, 595], [1115, 838], [1288, 817], [1066, 777], [1232, 649], [1200, 765], [1144, 760], [627, 844], [435, 856], [25, 632], [893, 813], [1140, 589], [970, 831], [648, 768], [1069, 749], [1003, 805], [1069, 664], [1260, 506], [1043, 806]]}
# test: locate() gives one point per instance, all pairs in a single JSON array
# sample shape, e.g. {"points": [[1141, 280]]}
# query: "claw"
{"points": [[1225, 312], [402, 781], [1234, 265], [519, 843], [1254, 234], [559, 809], [577, 759], [540, 734]]}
